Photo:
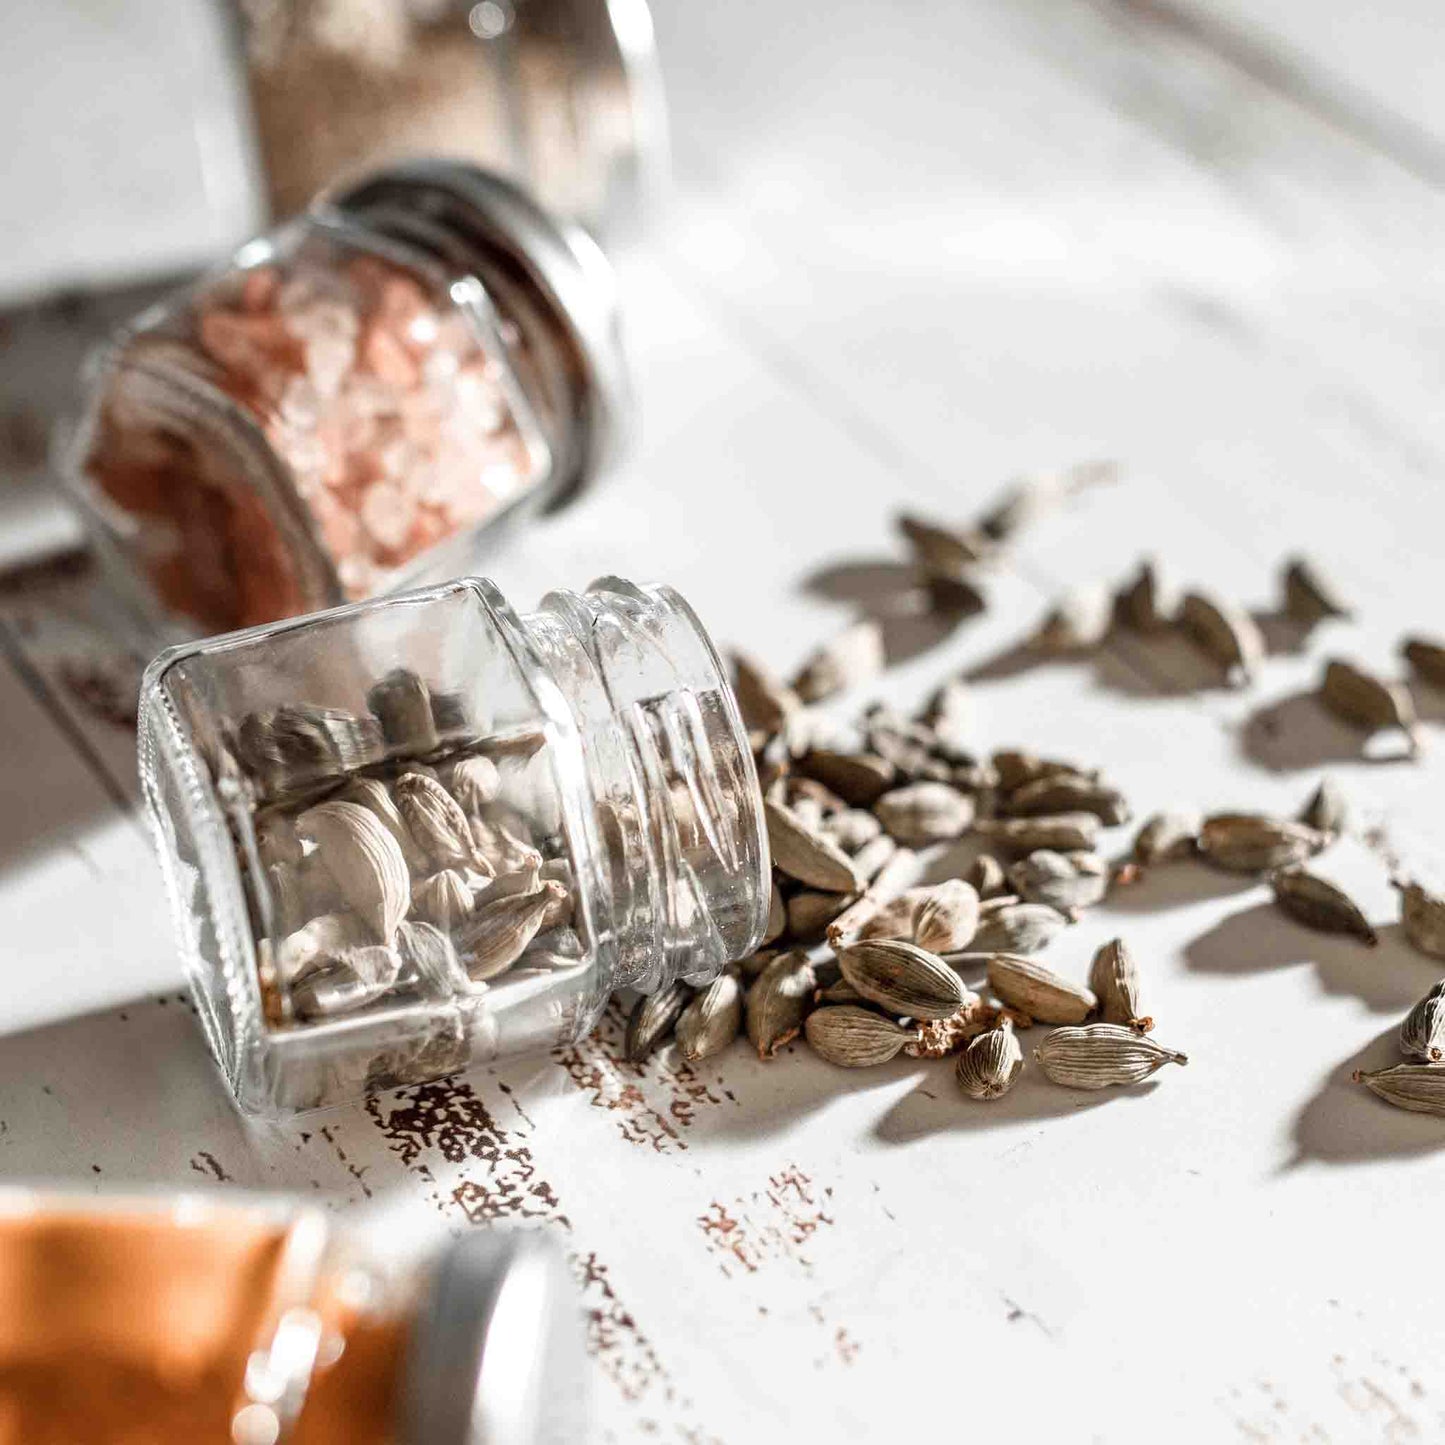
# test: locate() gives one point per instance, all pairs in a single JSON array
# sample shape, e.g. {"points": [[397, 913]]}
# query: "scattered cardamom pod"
{"points": [[1015, 767], [853, 1037], [1038, 991], [1146, 603], [1095, 1056], [1114, 978], [1422, 912], [806, 855], [712, 1020], [1167, 836], [374, 795], [442, 899], [1225, 633], [1318, 903], [852, 828], [1256, 843], [753, 965], [898, 873], [870, 860], [810, 912], [1063, 881], [924, 813], [1069, 793], [852, 656], [652, 1020], [860, 779], [402, 704], [1417, 1087], [1308, 598], [1422, 1035], [987, 876], [778, 1001], [1059, 832], [346, 981], [435, 819], [498, 931], [990, 1063], [902, 978], [1078, 622], [765, 701], [1368, 701], [473, 781], [365, 860], [1017, 928], [1327, 811], [1426, 657]]}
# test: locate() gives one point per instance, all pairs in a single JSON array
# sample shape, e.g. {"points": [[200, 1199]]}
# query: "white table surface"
{"points": [[915, 249]]}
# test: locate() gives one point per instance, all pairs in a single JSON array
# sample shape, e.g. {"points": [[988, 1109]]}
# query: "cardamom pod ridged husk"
{"points": [[435, 819], [497, 932], [375, 796], [652, 1020], [1015, 767], [805, 855], [1426, 657], [1062, 881], [1318, 903], [990, 1063], [1038, 991], [1017, 928], [923, 813], [852, 656], [402, 704], [1308, 598], [902, 978], [1422, 912], [443, 899], [1225, 633], [499, 849], [778, 1001], [1327, 810], [860, 779], [853, 1037], [365, 860], [712, 1019], [1167, 836], [1098, 1056], [1114, 978], [1417, 1087], [1060, 832], [1422, 1034], [1368, 701], [1256, 843]]}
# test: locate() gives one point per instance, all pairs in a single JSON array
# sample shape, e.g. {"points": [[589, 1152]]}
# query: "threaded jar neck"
{"points": [[673, 799]]}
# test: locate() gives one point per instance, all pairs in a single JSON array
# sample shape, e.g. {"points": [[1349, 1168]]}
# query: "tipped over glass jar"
{"points": [[409, 836], [152, 1320], [354, 403]]}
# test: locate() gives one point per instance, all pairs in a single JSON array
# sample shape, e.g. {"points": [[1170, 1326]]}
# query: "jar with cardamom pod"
{"points": [[359, 401], [409, 836], [185, 1318]]}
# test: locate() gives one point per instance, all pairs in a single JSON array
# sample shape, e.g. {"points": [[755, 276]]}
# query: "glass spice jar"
{"points": [[409, 836], [155, 1321], [563, 96], [354, 403]]}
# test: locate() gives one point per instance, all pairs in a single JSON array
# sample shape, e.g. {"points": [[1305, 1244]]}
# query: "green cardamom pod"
{"points": [[990, 1063], [1422, 1035], [712, 1019], [902, 978], [1417, 1087], [778, 1001], [853, 1037], [1095, 1056]]}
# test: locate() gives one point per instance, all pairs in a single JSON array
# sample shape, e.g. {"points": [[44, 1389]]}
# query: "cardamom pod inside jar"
{"points": [[354, 403], [405, 837]]}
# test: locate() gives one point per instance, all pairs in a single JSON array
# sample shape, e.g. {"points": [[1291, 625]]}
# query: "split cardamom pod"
{"points": [[939, 917], [1422, 912], [990, 1063], [853, 1037], [1256, 843], [1038, 991], [712, 1019], [1114, 978], [652, 1019], [365, 860], [430, 963], [778, 1001], [1318, 903], [346, 981], [899, 872], [805, 855], [1225, 633], [1422, 1035], [902, 978], [325, 936], [435, 819], [1096, 1056], [1417, 1087]]}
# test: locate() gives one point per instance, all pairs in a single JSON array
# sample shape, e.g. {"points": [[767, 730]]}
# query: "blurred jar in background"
{"points": [[157, 1321], [563, 96], [355, 402]]}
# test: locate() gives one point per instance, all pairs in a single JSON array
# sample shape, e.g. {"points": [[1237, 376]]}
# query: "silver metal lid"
{"points": [[496, 1354], [502, 226]]}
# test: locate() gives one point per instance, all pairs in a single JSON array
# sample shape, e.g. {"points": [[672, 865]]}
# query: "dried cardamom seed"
{"points": [[430, 963], [435, 819], [364, 859], [1327, 811], [402, 704], [442, 900], [764, 700], [1069, 793], [1063, 881], [473, 781], [810, 912], [902, 978], [923, 813], [909, 748], [853, 1037], [1256, 843], [1038, 991], [1095, 1056], [1422, 1035], [987, 876], [1078, 622], [1114, 978], [1308, 598], [990, 1063], [1318, 903], [778, 1001], [939, 917], [1058, 832], [346, 981], [652, 1020], [1422, 912], [1167, 836], [805, 855], [1017, 928], [1368, 701], [1147, 603], [498, 931], [1225, 633], [1427, 657], [1417, 1087], [712, 1020], [860, 779], [854, 655]]}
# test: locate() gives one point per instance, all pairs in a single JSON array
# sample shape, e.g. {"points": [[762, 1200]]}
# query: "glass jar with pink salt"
{"points": [[354, 403]]}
